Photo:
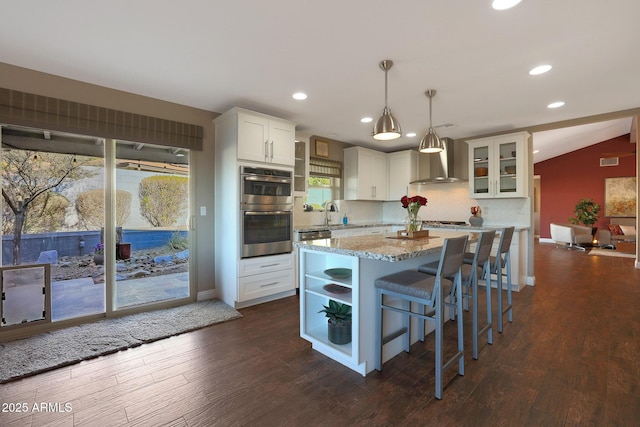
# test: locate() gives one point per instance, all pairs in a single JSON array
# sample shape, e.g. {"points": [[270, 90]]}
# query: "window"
{"points": [[324, 182]]}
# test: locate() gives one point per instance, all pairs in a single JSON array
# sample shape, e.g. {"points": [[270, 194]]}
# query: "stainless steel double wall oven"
{"points": [[266, 211]]}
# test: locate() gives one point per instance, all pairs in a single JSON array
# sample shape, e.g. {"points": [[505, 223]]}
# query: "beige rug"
{"points": [[70, 345], [610, 252]]}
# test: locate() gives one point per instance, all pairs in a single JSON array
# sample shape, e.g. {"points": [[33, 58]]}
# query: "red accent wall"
{"points": [[566, 179]]}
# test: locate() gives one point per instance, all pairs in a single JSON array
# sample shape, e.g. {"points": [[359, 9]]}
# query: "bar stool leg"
{"points": [[499, 288], [378, 321], [438, 349], [487, 275], [460, 327], [407, 325], [509, 297], [474, 315]]}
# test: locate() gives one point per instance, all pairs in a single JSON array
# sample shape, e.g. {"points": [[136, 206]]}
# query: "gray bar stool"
{"points": [[498, 264], [428, 291], [475, 265]]}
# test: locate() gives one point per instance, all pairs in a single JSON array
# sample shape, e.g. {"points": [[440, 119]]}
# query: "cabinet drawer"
{"points": [[262, 285], [259, 265]]}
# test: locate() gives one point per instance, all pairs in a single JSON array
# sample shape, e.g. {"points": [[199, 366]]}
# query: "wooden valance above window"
{"points": [[324, 167], [36, 111]]}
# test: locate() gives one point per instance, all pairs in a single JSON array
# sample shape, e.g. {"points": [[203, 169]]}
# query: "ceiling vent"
{"points": [[608, 161]]}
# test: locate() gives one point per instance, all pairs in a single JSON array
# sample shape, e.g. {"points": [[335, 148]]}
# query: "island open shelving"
{"points": [[368, 257], [313, 296]]}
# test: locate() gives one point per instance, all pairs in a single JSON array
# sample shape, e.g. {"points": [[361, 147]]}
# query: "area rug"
{"points": [[610, 252], [54, 349]]}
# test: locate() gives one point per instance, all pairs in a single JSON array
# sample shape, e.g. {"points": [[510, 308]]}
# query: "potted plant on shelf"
{"points": [[586, 213], [339, 322]]}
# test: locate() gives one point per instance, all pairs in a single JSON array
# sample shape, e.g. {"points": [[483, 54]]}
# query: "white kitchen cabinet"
{"points": [[265, 139], [403, 169], [265, 284], [244, 282], [365, 174], [499, 166], [262, 277]]}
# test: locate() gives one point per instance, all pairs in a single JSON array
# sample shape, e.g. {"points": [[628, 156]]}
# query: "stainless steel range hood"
{"points": [[446, 166]]}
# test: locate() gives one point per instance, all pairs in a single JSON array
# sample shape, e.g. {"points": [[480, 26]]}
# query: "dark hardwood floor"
{"points": [[571, 357]]}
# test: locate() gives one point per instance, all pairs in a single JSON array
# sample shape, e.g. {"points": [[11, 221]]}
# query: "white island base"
{"points": [[358, 355]]}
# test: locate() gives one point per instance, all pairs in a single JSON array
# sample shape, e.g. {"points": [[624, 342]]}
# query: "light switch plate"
{"points": [[203, 211]]}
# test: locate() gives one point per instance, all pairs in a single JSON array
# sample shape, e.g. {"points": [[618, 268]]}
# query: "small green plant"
{"points": [[586, 212], [337, 313], [178, 242]]}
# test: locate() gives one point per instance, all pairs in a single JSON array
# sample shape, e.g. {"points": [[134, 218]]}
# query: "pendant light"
{"points": [[431, 142], [386, 127]]}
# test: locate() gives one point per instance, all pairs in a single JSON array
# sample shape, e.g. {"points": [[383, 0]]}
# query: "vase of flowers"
{"points": [[98, 254], [475, 219], [413, 205]]}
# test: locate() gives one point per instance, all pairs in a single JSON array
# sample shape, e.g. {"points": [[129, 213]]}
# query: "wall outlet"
{"points": [[485, 209]]}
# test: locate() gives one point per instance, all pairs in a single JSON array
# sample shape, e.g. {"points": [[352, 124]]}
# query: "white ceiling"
{"points": [[255, 54]]}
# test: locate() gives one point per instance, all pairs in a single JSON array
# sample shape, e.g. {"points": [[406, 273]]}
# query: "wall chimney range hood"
{"points": [[445, 166]]}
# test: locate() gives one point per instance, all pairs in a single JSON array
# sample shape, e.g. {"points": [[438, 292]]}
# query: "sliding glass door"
{"points": [[152, 210], [109, 217]]}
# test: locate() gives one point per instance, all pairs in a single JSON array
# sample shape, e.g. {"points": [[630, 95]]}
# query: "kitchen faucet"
{"points": [[329, 206]]}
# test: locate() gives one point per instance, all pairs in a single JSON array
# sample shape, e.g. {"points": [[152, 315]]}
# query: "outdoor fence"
{"points": [[78, 243]]}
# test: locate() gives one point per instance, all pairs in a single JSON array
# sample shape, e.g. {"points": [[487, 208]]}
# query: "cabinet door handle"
{"points": [[266, 285], [266, 151], [269, 265], [272, 150]]}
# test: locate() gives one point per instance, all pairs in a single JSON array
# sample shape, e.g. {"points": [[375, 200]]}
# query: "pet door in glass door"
{"points": [[25, 294]]}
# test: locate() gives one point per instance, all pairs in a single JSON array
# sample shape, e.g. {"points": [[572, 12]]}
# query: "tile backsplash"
{"points": [[448, 201]]}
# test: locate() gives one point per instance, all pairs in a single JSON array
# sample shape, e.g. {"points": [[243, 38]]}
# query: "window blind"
{"points": [[31, 110], [325, 167]]}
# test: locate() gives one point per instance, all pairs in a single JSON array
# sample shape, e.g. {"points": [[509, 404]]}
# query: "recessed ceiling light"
{"points": [[556, 104], [366, 120], [504, 4], [536, 151], [540, 69], [299, 96], [410, 134]]}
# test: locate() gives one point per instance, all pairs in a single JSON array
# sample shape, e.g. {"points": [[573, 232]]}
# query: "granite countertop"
{"points": [[382, 247], [426, 226]]}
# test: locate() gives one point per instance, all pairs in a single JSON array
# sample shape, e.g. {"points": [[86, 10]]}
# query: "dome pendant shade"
{"points": [[386, 127], [431, 143]]}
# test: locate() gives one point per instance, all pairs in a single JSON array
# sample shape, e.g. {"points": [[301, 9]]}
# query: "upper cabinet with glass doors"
{"points": [[498, 166], [301, 168]]}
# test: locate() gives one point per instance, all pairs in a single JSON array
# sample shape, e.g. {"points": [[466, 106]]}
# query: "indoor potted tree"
{"points": [[339, 322], [587, 213]]}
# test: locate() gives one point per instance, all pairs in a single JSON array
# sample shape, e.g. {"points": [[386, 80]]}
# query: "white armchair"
{"points": [[572, 235]]}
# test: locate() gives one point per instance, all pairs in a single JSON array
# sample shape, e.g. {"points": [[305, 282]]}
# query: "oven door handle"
{"points": [[267, 213], [266, 178]]}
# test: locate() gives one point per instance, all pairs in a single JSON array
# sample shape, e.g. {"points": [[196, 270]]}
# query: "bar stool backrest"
{"points": [[452, 256], [505, 240], [483, 252]]}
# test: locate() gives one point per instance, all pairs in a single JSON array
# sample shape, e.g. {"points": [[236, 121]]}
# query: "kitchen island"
{"points": [[368, 258]]}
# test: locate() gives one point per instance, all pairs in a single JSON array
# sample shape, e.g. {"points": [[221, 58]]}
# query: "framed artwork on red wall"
{"points": [[620, 197]]}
